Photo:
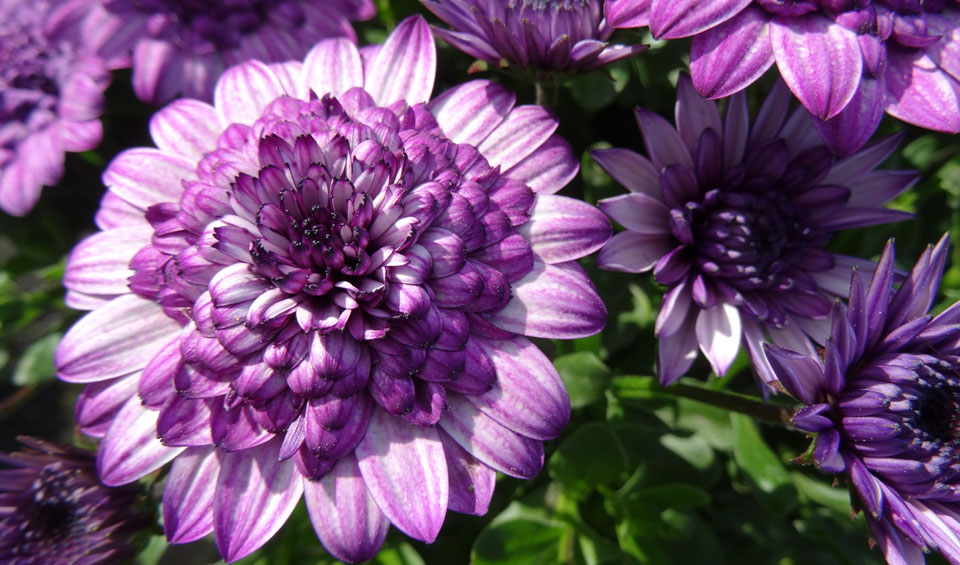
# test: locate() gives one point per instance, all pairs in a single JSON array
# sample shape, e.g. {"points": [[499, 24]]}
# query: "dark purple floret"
{"points": [[54, 510], [884, 403]]}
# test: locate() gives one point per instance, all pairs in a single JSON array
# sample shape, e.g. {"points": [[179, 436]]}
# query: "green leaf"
{"points": [[519, 541], [834, 497], [590, 456], [36, 365], [596, 89], [402, 554], [585, 376], [670, 495], [695, 449], [638, 388], [762, 466]]}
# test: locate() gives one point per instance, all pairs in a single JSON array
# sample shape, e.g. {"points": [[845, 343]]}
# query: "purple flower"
{"points": [[732, 217], [54, 510], [847, 61], [319, 286], [884, 404], [551, 35], [180, 47], [51, 94]]}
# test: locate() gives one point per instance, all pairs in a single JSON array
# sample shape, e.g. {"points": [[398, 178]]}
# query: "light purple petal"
{"points": [[471, 482], [719, 333], [188, 495], [115, 212], [800, 375], [114, 340], [876, 187], [553, 301], [528, 396], [344, 515], [853, 127], [467, 113], [256, 492], [633, 252], [819, 60], [672, 19], [625, 14], [185, 127], [548, 169], [152, 80], [638, 213], [693, 114], [489, 441], [406, 65], [98, 265], [921, 94], [98, 403], [563, 229], [144, 177], [406, 473], [131, 449], [728, 58], [524, 130], [243, 91], [631, 169], [333, 66], [662, 141], [677, 352]]}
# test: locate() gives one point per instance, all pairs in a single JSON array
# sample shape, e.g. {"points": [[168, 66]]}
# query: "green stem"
{"points": [[736, 403]]}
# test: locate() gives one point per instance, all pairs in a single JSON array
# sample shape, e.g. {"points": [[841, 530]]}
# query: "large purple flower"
{"points": [[885, 404], [54, 510], [180, 47], [320, 287], [732, 217], [51, 94], [847, 61], [551, 35]]}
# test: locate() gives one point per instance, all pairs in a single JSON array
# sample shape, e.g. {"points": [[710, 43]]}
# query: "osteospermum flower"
{"points": [[51, 94], [551, 35], [847, 61], [885, 403], [180, 47], [327, 296], [732, 217], [54, 510]]}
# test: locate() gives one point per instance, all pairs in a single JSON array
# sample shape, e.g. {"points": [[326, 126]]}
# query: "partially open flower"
{"points": [[54, 510], [848, 61], [733, 217], [180, 47], [885, 404], [320, 287], [551, 35], [51, 96]]}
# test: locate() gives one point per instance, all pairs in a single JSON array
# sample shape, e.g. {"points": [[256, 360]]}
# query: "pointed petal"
{"points": [[672, 19], [632, 252], [853, 127], [662, 141], [563, 229], [405, 470], [188, 495], [548, 169], [471, 482], [677, 352], [256, 492], [131, 449], [406, 65], [333, 66], [524, 130], [728, 58], [344, 515], [800, 375], [469, 112], [693, 114], [921, 94], [634, 171], [718, 331]]}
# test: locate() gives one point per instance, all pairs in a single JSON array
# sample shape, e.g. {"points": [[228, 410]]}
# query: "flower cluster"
{"points": [[733, 217], [319, 287]]}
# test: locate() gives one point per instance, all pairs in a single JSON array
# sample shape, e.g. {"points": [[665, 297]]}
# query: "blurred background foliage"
{"points": [[642, 474]]}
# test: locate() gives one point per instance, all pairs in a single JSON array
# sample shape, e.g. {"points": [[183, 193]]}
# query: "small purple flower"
{"points": [[51, 94], [884, 404], [319, 287], [550, 35], [732, 217], [54, 510], [180, 47], [847, 61]]}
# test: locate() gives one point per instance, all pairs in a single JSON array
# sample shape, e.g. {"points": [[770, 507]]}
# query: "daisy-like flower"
{"points": [[180, 47], [732, 217], [51, 94], [551, 35], [319, 287], [884, 403], [54, 510], [847, 61]]}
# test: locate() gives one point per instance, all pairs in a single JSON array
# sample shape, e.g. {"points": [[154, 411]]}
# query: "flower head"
{"points": [[53, 509], [885, 405], [180, 47], [847, 61], [732, 217], [551, 35], [51, 94], [319, 286]]}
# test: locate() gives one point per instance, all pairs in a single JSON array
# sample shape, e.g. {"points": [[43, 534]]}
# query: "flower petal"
{"points": [[188, 495], [524, 130], [99, 265], [548, 169], [800, 375], [629, 168], [728, 58], [471, 482], [718, 331], [922, 94], [405, 470], [185, 127], [563, 229], [243, 91], [333, 66], [405, 67], [633, 252], [144, 176], [131, 448], [467, 113], [672, 19]]}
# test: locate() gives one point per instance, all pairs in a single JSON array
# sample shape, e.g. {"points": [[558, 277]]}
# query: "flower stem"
{"points": [[747, 405]]}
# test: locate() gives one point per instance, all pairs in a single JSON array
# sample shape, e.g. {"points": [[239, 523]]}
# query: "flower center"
{"points": [[937, 407], [50, 511]]}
